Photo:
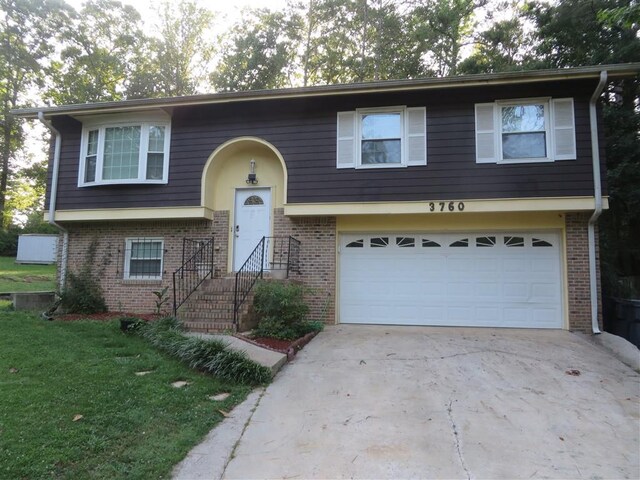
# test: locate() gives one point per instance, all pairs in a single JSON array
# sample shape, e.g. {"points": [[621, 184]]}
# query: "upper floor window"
{"points": [[118, 150], [532, 130], [382, 137]]}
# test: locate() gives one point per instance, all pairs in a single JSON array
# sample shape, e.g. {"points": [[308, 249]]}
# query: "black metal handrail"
{"points": [[272, 254], [195, 270]]}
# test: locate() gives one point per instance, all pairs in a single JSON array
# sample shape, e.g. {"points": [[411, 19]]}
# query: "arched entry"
{"points": [[249, 206]]}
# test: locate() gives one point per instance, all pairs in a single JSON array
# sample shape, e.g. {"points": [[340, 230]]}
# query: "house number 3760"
{"points": [[442, 206]]}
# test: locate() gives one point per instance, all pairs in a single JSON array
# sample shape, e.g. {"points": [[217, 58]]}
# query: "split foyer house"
{"points": [[463, 201]]}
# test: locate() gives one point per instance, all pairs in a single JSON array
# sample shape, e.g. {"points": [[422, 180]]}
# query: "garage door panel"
{"points": [[487, 280]]}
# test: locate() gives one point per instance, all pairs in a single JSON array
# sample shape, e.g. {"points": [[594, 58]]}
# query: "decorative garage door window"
{"points": [[463, 242], [490, 241], [405, 242], [485, 241], [378, 242], [429, 243], [537, 242], [514, 241], [254, 200]]}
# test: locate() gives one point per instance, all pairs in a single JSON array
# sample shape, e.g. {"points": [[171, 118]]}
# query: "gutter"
{"points": [[597, 192], [53, 198]]}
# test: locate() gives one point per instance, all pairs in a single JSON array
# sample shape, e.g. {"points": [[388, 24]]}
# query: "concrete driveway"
{"points": [[420, 402]]}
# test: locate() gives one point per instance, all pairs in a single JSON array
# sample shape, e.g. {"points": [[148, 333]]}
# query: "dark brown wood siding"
{"points": [[304, 131]]}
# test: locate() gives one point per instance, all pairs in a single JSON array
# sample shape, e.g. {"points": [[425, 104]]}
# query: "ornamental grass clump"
{"points": [[211, 356]]}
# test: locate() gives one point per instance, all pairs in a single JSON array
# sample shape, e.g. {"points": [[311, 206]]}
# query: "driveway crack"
{"points": [[456, 438]]}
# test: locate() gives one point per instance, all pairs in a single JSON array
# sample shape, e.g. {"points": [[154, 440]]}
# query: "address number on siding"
{"points": [[446, 206]]}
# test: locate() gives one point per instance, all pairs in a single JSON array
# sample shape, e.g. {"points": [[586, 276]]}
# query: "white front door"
{"points": [[251, 222]]}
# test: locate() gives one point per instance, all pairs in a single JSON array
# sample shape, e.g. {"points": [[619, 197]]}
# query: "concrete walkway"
{"points": [[267, 358], [420, 402]]}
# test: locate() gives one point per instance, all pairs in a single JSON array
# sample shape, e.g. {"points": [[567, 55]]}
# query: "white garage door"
{"points": [[479, 279]]}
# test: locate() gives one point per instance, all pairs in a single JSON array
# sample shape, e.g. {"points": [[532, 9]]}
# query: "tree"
{"points": [[608, 33], [500, 48], [444, 27], [26, 27], [177, 62], [257, 54], [101, 47]]}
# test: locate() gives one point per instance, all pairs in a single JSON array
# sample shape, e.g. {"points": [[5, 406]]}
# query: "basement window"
{"points": [[143, 259]]}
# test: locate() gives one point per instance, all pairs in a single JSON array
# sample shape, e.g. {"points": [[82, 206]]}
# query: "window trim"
{"points": [[402, 110], [127, 257], [145, 123], [548, 129]]}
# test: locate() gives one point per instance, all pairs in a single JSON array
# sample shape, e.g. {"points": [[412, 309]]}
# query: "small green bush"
{"points": [[8, 242], [211, 356], [82, 293], [284, 301], [276, 328]]}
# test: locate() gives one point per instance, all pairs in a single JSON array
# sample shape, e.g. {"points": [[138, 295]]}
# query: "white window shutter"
{"points": [[416, 137], [564, 130], [346, 148], [486, 148]]}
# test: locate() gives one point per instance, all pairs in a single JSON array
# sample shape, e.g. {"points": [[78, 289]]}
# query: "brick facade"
{"points": [[317, 257], [108, 263], [317, 236], [577, 250]]}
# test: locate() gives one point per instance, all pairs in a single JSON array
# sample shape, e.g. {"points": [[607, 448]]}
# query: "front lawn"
{"points": [[16, 277], [131, 426]]}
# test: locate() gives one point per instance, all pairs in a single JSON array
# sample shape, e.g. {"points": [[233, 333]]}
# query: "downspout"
{"points": [[53, 197], [597, 193]]}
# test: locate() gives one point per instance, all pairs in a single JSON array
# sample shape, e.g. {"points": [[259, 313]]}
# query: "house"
{"points": [[463, 201]]}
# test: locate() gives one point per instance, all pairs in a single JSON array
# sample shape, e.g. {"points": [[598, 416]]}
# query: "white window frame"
{"points": [[548, 130], [360, 112], [145, 122], [127, 257]]}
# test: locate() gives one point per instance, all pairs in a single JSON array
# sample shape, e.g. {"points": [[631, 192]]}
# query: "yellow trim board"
{"points": [[560, 204], [157, 213], [508, 221]]}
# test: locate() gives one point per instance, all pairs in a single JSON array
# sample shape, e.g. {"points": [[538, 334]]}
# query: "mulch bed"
{"points": [[287, 347], [104, 317]]}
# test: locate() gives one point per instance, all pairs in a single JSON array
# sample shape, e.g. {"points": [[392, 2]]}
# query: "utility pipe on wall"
{"points": [[597, 193], [53, 198]]}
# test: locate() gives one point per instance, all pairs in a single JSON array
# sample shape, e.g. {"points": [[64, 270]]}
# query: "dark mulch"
{"points": [[104, 317], [288, 347]]}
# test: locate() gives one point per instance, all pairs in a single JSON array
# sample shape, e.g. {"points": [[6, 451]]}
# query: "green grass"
{"points": [[25, 278], [132, 426]]}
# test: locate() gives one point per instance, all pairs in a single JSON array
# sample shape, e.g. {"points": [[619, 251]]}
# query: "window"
{"points": [[531, 130], [117, 150], [382, 138], [143, 259], [524, 131]]}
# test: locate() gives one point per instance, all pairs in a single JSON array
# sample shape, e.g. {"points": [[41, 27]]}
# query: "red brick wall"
{"points": [[578, 272], [317, 257], [133, 295]]}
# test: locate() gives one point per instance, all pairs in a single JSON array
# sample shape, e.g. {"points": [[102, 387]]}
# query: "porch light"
{"points": [[251, 178]]}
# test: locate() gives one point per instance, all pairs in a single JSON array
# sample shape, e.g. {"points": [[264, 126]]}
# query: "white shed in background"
{"points": [[37, 248]]}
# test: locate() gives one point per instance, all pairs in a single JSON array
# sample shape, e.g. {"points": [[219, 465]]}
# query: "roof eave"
{"points": [[614, 71]]}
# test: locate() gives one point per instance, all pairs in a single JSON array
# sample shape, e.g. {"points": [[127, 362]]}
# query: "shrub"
{"points": [[282, 301], [275, 328], [82, 293], [8, 242], [211, 356]]}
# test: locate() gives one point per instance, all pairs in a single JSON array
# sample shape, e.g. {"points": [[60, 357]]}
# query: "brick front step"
{"points": [[210, 308]]}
